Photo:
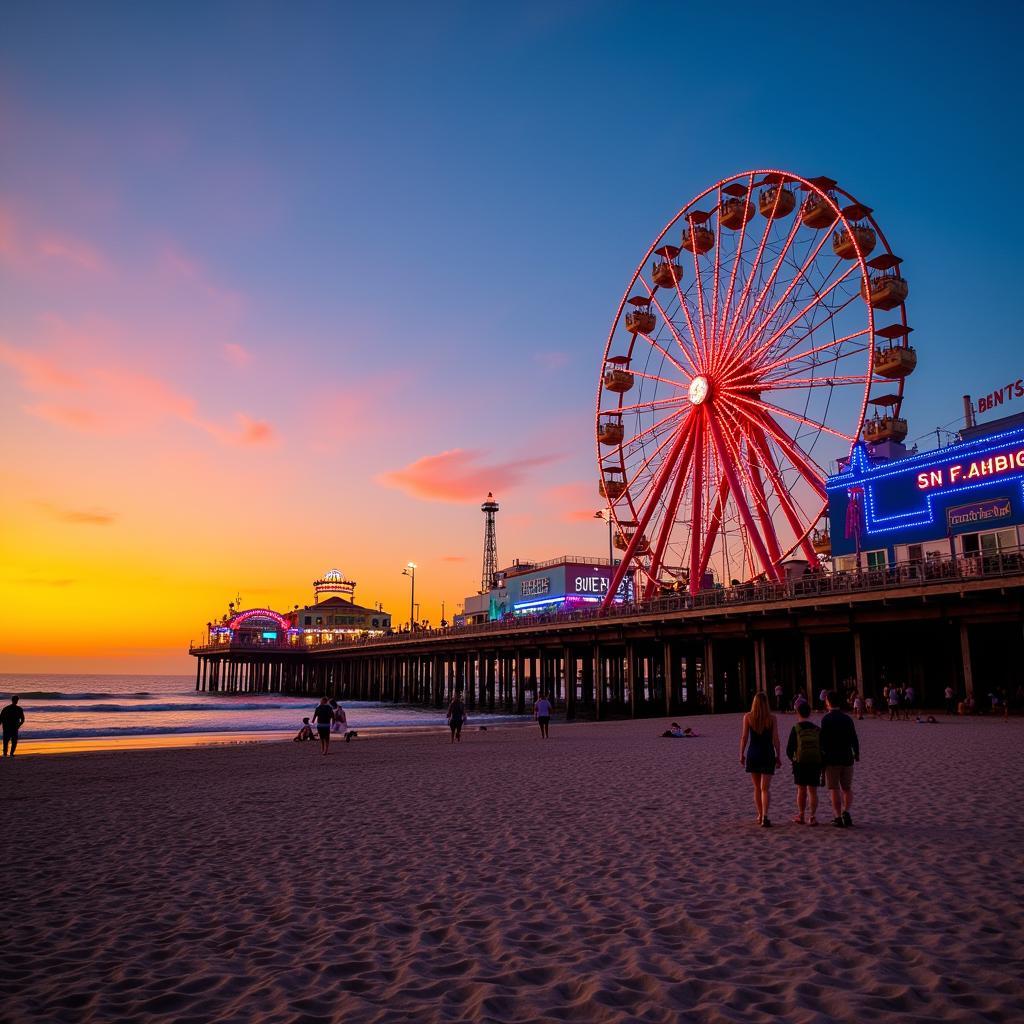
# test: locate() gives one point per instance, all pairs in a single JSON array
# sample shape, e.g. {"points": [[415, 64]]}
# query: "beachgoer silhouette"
{"points": [[323, 714], [759, 752], [305, 733], [457, 716], [542, 712], [11, 720], [804, 749], [839, 749]]}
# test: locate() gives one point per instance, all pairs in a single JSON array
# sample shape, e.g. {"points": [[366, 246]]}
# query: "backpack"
{"points": [[808, 744]]}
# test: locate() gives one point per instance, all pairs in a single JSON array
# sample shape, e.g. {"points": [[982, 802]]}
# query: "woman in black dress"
{"points": [[759, 752]]}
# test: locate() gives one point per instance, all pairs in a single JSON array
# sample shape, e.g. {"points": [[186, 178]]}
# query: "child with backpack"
{"points": [[804, 749]]}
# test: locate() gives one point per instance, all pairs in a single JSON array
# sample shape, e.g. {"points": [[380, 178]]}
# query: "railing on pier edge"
{"points": [[901, 575]]}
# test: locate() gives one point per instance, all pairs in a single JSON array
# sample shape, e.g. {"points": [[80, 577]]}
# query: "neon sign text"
{"points": [[960, 472], [1000, 395]]}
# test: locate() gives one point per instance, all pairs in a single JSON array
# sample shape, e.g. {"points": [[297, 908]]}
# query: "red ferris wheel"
{"points": [[742, 360]]}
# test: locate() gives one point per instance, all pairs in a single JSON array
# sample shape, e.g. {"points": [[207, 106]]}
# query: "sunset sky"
{"points": [[287, 287]]}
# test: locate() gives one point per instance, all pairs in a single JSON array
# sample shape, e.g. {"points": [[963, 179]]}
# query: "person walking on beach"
{"points": [[759, 752], [542, 712], [323, 715], [778, 696], [457, 716], [950, 695], [11, 720], [894, 703], [803, 748], [839, 749]]}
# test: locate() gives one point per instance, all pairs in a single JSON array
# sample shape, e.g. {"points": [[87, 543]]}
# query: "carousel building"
{"points": [[333, 615]]}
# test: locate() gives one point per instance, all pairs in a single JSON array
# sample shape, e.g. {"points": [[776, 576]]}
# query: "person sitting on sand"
{"points": [[930, 720], [803, 748], [305, 733], [323, 714], [674, 731], [759, 752]]}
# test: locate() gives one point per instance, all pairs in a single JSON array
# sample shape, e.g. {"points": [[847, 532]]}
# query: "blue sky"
{"points": [[422, 218]]}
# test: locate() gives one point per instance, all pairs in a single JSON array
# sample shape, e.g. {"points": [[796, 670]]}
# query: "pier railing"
{"points": [[895, 577]]}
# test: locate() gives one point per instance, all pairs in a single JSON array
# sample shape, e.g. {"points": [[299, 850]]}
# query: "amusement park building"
{"points": [[560, 584], [336, 617], [963, 500]]}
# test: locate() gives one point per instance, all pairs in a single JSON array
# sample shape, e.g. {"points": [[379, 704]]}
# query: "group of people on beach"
{"points": [[457, 715], [329, 717], [827, 752]]}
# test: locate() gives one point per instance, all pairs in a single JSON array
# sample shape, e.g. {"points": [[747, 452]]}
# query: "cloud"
{"points": [[236, 355], [72, 250], [27, 248], [77, 516], [112, 400], [460, 475], [453, 558], [575, 502]]}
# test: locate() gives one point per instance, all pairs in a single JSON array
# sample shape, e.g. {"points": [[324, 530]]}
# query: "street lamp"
{"points": [[410, 571], [606, 513]]}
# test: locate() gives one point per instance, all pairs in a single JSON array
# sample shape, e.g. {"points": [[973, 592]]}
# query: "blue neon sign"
{"points": [[928, 496]]}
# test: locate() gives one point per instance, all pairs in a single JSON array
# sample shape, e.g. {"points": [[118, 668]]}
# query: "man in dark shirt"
{"points": [[11, 719], [839, 749]]}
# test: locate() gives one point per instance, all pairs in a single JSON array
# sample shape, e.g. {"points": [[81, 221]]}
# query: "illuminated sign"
{"points": [[1006, 393], [979, 513], [962, 472], [533, 588], [928, 496], [269, 635]]}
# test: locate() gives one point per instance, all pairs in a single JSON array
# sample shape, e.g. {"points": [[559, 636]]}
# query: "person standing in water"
{"points": [[457, 716], [11, 720], [542, 712], [759, 752], [323, 715]]}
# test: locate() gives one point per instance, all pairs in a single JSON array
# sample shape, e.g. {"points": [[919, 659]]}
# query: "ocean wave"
{"points": [[136, 708], [58, 695], [178, 730]]}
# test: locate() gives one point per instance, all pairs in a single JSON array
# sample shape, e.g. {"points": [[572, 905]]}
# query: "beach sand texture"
{"points": [[606, 875]]}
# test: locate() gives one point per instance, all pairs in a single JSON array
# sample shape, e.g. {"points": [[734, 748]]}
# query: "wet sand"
{"points": [[606, 875]]}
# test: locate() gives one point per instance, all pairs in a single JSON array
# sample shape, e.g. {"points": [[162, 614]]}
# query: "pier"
{"points": [[959, 623]]}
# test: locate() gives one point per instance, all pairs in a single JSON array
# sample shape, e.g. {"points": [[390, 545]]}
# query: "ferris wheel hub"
{"points": [[700, 389]]}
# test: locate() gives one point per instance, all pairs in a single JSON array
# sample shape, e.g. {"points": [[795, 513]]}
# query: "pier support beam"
{"points": [[965, 657]]}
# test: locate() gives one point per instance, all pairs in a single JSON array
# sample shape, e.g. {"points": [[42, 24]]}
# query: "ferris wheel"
{"points": [[742, 361]]}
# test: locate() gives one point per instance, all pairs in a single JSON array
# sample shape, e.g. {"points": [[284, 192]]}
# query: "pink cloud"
{"points": [[111, 400], [28, 248], [237, 355], [453, 558], [72, 250], [175, 265], [460, 475], [575, 502]]}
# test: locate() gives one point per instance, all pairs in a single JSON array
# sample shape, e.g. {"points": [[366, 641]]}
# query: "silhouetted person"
{"points": [[323, 715], [839, 750], [542, 712], [11, 720], [457, 716]]}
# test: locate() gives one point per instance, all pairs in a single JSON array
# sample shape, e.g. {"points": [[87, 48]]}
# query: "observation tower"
{"points": [[490, 569]]}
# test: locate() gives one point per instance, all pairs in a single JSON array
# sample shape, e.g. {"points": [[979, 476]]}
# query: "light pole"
{"points": [[410, 571], [606, 513]]}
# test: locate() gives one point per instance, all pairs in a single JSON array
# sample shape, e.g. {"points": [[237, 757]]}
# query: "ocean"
{"points": [[68, 711]]}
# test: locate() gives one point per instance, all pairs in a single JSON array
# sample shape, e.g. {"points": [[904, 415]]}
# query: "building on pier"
{"points": [[561, 584], [923, 509]]}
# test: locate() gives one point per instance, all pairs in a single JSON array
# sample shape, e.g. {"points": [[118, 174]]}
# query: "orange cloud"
{"points": [[81, 517], [453, 558], [459, 475]]}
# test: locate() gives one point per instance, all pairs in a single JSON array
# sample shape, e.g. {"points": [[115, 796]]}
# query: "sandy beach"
{"points": [[606, 875]]}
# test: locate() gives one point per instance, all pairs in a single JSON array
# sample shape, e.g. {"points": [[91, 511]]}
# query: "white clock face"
{"points": [[698, 390]]}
